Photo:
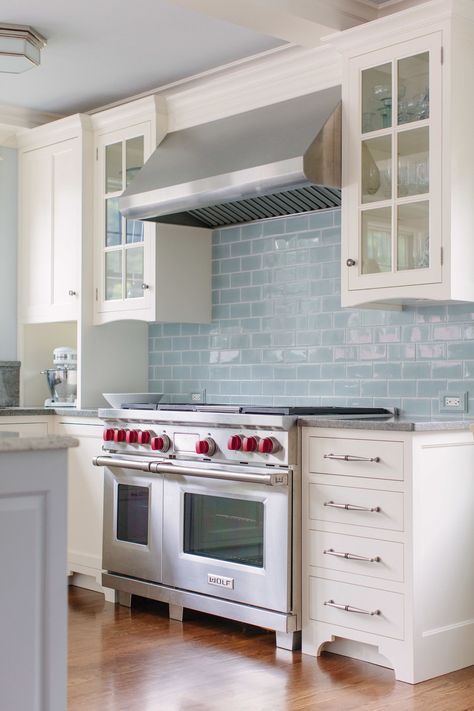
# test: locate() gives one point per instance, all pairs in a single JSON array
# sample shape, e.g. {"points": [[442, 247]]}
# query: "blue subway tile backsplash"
{"points": [[280, 336]]}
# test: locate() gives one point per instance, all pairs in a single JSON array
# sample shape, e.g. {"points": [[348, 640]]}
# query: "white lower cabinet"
{"points": [[388, 569], [85, 503]]}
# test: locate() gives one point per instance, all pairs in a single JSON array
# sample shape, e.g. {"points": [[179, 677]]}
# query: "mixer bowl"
{"points": [[62, 383]]}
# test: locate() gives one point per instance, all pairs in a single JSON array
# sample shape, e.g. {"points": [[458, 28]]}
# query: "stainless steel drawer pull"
{"points": [[349, 608], [351, 556], [350, 458], [352, 507]]}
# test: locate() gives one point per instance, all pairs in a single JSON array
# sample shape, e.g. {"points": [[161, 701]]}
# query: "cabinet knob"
{"points": [[71, 292], [350, 262], [145, 286]]}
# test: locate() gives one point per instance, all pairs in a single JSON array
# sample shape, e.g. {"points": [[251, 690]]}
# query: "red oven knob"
{"points": [[268, 445], [249, 444], [131, 436], [206, 446], [161, 443], [119, 435], [108, 435], [144, 436], [234, 442]]}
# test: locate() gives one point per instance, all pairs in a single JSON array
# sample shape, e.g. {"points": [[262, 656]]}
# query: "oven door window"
{"points": [[224, 528], [132, 513]]}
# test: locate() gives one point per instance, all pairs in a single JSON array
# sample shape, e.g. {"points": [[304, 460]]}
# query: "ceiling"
{"points": [[104, 50]]}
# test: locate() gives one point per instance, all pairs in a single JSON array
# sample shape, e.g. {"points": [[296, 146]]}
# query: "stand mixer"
{"points": [[62, 379]]}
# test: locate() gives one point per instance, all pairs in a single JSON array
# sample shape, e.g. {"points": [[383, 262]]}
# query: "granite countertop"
{"points": [[14, 442], [400, 424], [27, 411]]}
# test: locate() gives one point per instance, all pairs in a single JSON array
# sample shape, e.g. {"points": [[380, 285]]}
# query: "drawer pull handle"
{"points": [[349, 608], [351, 556], [352, 507], [350, 458]]}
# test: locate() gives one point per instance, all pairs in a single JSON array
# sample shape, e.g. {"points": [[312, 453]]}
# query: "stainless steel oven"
{"points": [[202, 509]]}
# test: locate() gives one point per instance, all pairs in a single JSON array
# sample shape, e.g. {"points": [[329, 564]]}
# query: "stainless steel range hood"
{"points": [[277, 160]]}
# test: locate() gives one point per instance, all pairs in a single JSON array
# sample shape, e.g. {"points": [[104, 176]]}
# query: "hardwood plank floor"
{"points": [[140, 660]]}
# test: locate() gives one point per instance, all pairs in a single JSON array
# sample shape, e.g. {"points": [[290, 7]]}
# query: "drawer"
{"points": [[389, 622], [389, 515], [388, 454], [385, 558]]}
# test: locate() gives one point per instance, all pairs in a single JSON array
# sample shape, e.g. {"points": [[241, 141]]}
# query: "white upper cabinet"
{"points": [[50, 231], [142, 270], [408, 147]]}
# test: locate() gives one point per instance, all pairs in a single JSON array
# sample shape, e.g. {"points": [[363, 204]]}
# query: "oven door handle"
{"points": [[270, 479]]}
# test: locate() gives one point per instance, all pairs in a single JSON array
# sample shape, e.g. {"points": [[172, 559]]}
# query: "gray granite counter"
{"points": [[28, 411], [13, 442], [401, 424]]}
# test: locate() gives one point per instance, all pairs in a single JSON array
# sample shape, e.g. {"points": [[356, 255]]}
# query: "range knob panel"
{"points": [[206, 446], [161, 443]]}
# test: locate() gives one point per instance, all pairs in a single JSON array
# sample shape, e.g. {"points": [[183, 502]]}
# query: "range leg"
{"points": [[176, 612], [124, 599], [288, 640]]}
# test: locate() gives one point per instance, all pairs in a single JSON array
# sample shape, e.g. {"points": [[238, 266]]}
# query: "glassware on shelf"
{"points": [[368, 121], [383, 93]]}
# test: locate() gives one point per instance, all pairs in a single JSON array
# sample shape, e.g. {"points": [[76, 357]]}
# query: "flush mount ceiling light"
{"points": [[20, 47]]}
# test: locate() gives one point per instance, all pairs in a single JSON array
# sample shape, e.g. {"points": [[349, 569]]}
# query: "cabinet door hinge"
{"points": [[97, 154], [442, 55], [441, 256], [97, 294]]}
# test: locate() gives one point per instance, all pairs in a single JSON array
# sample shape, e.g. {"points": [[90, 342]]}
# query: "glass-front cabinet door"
{"points": [[393, 221], [123, 283]]}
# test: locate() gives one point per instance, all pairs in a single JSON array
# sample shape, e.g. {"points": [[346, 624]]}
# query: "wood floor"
{"points": [[140, 660]]}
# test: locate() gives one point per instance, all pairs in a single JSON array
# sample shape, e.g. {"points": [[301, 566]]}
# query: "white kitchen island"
{"points": [[33, 594]]}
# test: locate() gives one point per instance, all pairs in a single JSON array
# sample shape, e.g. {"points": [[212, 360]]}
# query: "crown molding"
{"points": [[125, 114], [60, 130], [400, 25], [267, 79]]}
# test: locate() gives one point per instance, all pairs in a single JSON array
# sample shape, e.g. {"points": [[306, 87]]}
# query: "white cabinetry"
{"points": [[33, 643], [85, 502], [407, 157], [50, 217], [143, 271], [388, 571]]}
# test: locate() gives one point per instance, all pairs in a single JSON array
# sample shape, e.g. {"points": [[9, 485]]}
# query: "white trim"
{"points": [[267, 80], [60, 130], [129, 113]]}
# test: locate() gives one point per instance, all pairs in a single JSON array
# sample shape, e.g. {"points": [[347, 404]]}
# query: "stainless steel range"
{"points": [[202, 509]]}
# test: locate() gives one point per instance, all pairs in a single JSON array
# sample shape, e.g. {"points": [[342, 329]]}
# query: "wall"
{"points": [[279, 334], [8, 230]]}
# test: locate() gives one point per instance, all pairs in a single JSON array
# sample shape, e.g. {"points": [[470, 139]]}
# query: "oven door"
{"points": [[132, 523], [229, 539]]}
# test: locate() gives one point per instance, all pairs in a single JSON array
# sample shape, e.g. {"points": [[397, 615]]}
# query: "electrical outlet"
{"points": [[453, 402], [199, 396]]}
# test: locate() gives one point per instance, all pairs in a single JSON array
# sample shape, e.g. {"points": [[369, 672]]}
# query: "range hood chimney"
{"points": [[277, 160]]}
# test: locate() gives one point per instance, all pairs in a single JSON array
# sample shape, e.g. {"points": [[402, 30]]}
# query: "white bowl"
{"points": [[119, 399]]}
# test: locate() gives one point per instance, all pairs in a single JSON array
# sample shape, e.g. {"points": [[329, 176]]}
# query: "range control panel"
{"points": [[244, 444]]}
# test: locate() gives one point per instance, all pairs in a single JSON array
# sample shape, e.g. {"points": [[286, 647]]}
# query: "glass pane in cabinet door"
{"points": [[376, 241], [134, 231], [113, 275], [413, 88], [413, 236], [134, 160], [113, 168], [134, 273], [377, 98], [376, 167], [413, 162], [113, 223]]}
